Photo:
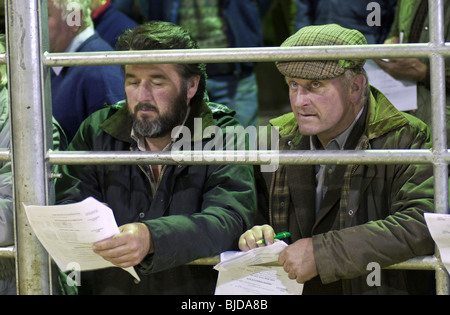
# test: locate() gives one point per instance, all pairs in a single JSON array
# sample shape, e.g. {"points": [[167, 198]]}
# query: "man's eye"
{"points": [[315, 85]]}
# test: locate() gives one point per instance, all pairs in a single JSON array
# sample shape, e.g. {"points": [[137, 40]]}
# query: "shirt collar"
{"points": [[76, 43], [338, 142]]}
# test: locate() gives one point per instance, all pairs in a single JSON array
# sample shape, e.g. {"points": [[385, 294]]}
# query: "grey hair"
{"points": [[348, 76]]}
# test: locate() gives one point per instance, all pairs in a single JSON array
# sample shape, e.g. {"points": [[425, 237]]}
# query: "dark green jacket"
{"points": [[371, 213], [197, 211]]}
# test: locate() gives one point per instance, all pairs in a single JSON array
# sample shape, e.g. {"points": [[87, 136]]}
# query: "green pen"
{"points": [[279, 236]]}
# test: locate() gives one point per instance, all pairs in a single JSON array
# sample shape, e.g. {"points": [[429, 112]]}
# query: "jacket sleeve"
{"points": [[392, 227]]}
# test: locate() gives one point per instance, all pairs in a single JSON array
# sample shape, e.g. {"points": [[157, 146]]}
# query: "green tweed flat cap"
{"points": [[321, 35]]}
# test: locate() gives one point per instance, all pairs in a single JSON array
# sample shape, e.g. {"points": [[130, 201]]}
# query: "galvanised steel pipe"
{"points": [[8, 252], [266, 54], [29, 143], [439, 125], [416, 263], [5, 155], [248, 157]]}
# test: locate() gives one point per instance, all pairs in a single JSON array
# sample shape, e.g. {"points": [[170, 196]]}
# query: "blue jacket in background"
{"points": [[111, 23], [81, 90], [242, 18], [349, 14]]}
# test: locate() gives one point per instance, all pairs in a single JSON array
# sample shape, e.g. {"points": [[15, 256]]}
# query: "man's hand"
{"points": [[248, 240], [411, 69], [128, 248], [298, 260]]}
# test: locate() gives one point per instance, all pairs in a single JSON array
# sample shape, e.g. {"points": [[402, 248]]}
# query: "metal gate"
{"points": [[30, 112]]}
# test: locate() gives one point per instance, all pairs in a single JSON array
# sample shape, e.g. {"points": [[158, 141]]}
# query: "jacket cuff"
{"points": [[146, 265], [324, 262]]}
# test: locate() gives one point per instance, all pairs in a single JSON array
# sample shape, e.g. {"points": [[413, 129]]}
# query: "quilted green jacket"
{"points": [[197, 211], [371, 213]]}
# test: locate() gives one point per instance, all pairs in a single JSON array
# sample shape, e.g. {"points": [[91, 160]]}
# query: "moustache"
{"points": [[146, 107]]}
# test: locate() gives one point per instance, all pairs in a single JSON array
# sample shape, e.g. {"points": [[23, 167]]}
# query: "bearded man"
{"points": [[168, 215]]}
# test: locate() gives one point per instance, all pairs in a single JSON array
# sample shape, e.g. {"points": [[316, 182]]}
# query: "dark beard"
{"points": [[163, 124]]}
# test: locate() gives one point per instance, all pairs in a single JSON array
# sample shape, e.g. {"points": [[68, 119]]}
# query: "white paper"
{"points": [[241, 273], [68, 231], [439, 227], [256, 256], [401, 93], [257, 280]]}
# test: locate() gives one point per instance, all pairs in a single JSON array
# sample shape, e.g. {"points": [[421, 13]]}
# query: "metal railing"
{"points": [[31, 155]]}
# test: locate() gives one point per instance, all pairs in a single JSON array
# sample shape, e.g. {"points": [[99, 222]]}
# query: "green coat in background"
{"points": [[406, 11]]}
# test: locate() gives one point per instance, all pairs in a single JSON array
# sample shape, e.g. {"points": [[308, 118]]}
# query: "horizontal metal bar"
{"points": [[251, 54], [249, 157], [8, 252], [5, 155], [416, 263]]}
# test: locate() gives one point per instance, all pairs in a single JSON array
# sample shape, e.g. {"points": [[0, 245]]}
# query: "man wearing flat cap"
{"points": [[347, 222]]}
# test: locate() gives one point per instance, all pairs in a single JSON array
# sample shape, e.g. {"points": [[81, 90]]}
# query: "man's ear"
{"points": [[192, 87], [357, 87]]}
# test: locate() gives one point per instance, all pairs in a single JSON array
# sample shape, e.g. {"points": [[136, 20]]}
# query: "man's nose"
{"points": [[144, 92], [301, 97]]}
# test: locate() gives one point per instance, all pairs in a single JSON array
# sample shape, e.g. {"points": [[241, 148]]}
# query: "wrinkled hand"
{"points": [[411, 69], [128, 248], [248, 240], [298, 260]]}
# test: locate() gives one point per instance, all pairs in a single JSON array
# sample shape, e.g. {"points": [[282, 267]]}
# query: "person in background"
{"points": [[7, 265], [78, 91], [168, 215], [342, 218], [411, 25], [349, 14], [108, 21], [221, 24], [130, 8]]}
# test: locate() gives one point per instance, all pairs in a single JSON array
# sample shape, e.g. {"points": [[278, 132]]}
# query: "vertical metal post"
{"points": [[29, 137], [439, 128]]}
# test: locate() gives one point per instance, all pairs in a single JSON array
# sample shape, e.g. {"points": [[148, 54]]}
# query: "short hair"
{"points": [[347, 77], [161, 35], [70, 6]]}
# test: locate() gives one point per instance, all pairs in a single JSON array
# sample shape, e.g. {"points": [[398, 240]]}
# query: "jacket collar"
{"points": [[382, 117]]}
